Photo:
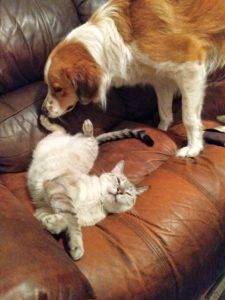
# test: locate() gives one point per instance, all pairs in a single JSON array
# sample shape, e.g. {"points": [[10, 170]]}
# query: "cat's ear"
{"points": [[119, 167], [140, 190]]}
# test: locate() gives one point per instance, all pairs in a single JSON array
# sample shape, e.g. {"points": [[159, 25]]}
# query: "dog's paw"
{"points": [[189, 151], [164, 125], [88, 129]]}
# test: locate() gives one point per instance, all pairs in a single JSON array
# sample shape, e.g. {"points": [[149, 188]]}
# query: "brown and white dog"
{"points": [[170, 44]]}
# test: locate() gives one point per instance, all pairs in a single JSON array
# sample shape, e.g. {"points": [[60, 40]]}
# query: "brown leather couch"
{"points": [[170, 247]]}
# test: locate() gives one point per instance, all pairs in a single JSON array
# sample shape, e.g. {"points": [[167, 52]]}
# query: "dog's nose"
{"points": [[44, 109]]}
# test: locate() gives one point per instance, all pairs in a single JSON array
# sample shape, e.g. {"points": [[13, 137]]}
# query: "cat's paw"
{"points": [[88, 129], [76, 252], [54, 223]]}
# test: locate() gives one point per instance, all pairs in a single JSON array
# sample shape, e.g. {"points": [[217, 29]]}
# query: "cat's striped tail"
{"points": [[139, 134]]}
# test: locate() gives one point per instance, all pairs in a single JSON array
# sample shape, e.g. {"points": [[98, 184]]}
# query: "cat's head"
{"points": [[122, 194]]}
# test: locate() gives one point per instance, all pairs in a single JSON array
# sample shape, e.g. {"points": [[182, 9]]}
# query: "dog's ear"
{"points": [[85, 77], [88, 82]]}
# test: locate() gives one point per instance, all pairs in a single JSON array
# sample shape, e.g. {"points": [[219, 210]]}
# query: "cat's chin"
{"points": [[117, 206]]}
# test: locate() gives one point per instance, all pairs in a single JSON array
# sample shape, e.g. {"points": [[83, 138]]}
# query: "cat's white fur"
{"points": [[61, 153]]}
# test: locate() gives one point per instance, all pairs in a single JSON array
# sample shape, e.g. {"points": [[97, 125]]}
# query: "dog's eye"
{"points": [[57, 89]]}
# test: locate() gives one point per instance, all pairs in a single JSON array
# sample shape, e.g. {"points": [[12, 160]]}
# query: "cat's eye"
{"points": [[118, 181]]}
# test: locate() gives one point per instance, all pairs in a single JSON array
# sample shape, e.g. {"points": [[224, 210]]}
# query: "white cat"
{"points": [[65, 158], [85, 202]]}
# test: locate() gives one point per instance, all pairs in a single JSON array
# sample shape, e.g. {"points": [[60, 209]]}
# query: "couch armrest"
{"points": [[32, 264]]}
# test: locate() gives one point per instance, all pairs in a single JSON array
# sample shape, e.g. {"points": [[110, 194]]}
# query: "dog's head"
{"points": [[72, 75]]}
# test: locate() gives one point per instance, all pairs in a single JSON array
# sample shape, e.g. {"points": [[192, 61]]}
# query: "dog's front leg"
{"points": [[191, 79]]}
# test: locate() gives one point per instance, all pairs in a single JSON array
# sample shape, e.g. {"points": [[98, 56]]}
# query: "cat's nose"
{"points": [[120, 190]]}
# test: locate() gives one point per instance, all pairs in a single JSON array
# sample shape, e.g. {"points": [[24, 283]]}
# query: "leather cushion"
{"points": [[164, 248]]}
